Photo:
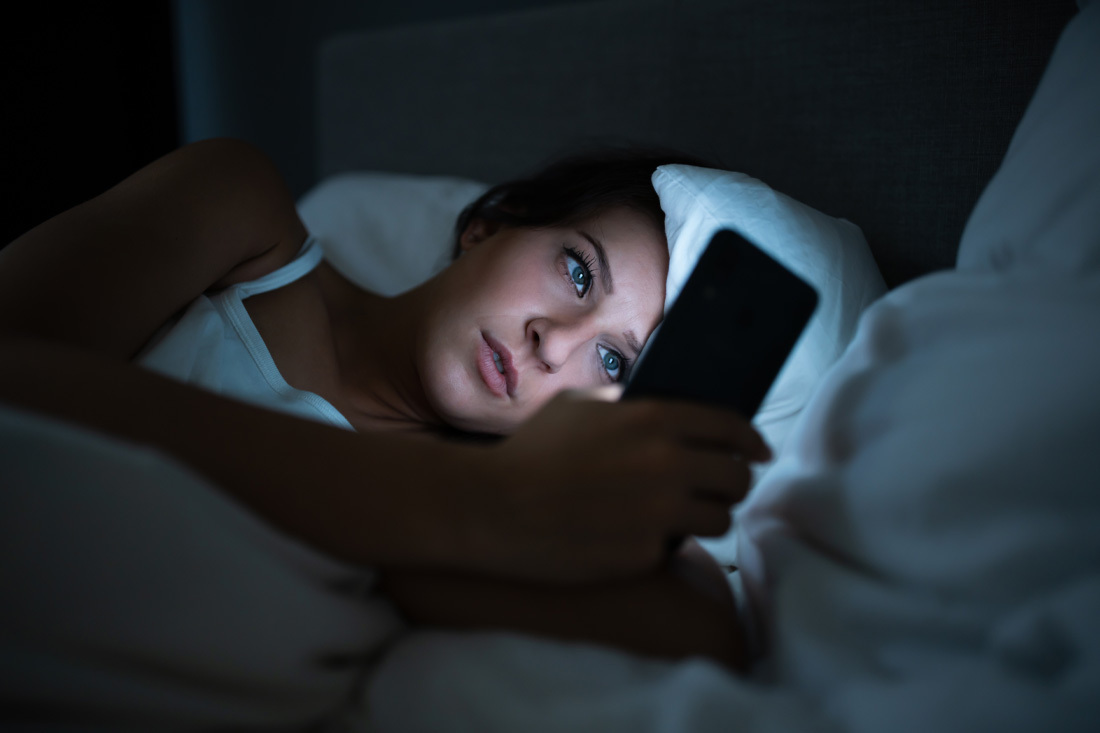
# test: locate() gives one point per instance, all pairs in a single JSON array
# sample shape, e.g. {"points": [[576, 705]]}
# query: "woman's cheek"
{"points": [[581, 373]]}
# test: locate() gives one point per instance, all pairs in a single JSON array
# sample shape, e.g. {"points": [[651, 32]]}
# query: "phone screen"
{"points": [[725, 339]]}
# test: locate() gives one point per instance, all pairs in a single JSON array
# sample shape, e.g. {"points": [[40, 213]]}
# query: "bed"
{"points": [[922, 554]]}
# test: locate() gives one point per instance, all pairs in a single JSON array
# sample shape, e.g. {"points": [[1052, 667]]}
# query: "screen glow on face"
{"points": [[569, 308], [580, 270]]}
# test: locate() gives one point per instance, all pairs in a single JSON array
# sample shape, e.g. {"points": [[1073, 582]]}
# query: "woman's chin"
{"points": [[465, 410], [460, 398]]}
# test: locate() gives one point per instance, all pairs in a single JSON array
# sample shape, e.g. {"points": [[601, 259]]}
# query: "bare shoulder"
{"points": [[106, 274]]}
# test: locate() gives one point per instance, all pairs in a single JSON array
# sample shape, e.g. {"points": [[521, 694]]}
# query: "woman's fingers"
{"points": [[705, 519], [716, 477], [715, 428], [650, 469], [712, 483], [606, 393]]}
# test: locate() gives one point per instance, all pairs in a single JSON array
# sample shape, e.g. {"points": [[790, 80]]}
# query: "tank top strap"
{"points": [[308, 257]]}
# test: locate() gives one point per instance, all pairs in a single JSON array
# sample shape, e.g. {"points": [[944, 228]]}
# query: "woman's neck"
{"points": [[375, 339]]}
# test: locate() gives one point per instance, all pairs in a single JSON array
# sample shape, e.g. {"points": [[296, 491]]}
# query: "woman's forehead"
{"points": [[626, 226], [630, 246]]}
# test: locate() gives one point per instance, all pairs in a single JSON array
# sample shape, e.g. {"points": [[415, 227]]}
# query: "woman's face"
{"points": [[525, 313]]}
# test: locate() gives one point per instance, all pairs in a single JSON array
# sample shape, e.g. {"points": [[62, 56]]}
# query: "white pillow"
{"points": [[831, 254], [387, 232]]}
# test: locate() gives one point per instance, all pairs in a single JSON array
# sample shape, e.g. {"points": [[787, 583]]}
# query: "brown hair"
{"points": [[578, 186]]}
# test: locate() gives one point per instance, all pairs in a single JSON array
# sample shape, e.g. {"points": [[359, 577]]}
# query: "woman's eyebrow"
{"points": [[632, 342], [605, 267]]}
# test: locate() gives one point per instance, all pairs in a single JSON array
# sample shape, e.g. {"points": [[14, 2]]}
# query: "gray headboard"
{"points": [[891, 113]]}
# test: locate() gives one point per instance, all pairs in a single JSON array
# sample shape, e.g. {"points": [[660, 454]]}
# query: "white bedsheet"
{"points": [[501, 682]]}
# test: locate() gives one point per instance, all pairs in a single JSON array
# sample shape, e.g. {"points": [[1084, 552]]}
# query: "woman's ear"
{"points": [[477, 231]]}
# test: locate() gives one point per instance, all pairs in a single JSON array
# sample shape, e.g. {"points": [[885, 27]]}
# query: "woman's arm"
{"points": [[684, 609], [105, 275]]}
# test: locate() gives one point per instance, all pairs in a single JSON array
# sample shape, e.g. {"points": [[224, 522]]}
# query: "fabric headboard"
{"points": [[893, 114]]}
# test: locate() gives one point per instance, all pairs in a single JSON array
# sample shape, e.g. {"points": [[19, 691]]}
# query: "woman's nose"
{"points": [[555, 342]]}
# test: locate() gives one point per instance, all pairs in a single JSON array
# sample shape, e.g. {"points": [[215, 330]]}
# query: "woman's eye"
{"points": [[580, 272], [612, 363]]}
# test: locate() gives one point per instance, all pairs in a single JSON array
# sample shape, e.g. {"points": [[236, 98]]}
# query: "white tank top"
{"points": [[215, 345]]}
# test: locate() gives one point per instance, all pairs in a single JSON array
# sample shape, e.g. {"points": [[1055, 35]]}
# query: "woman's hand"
{"points": [[682, 610], [590, 488]]}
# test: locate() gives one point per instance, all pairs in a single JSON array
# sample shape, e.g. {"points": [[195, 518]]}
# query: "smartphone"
{"points": [[728, 334]]}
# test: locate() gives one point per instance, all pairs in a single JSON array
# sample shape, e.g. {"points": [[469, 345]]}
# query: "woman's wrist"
{"points": [[450, 491]]}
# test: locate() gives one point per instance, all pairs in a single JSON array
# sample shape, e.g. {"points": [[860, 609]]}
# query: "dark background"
{"points": [[89, 97], [94, 91]]}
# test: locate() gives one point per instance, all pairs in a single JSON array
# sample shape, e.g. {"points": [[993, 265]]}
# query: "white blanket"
{"points": [[135, 595]]}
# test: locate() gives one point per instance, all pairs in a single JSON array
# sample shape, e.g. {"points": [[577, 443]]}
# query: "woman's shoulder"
{"points": [[280, 255]]}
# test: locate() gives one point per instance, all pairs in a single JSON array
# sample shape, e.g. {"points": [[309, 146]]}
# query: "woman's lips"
{"points": [[499, 384]]}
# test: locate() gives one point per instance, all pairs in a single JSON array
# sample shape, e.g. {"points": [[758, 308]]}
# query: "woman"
{"points": [[559, 281]]}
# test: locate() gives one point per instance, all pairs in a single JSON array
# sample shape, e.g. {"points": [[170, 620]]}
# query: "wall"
{"points": [[246, 67]]}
